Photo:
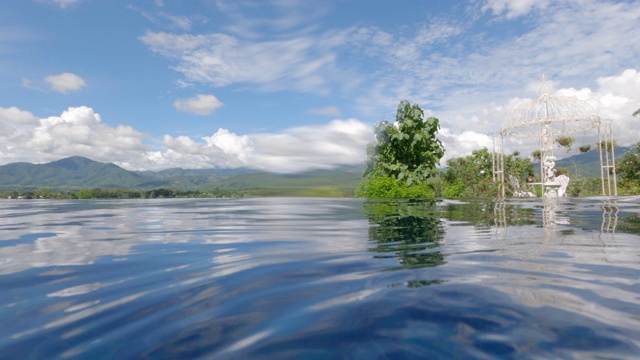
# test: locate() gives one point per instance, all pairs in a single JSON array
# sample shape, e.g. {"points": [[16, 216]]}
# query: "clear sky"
{"points": [[291, 85]]}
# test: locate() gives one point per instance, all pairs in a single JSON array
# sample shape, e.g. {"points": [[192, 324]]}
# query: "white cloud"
{"points": [[200, 104], [15, 115], [79, 131], [615, 98], [340, 142], [461, 144], [465, 80], [302, 63], [514, 8], [65, 82], [14, 123], [329, 110]]}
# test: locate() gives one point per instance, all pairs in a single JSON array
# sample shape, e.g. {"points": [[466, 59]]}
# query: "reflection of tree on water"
{"points": [[483, 214], [410, 229], [630, 224]]}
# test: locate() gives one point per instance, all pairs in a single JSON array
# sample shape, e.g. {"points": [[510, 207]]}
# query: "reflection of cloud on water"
{"points": [[82, 289], [235, 235], [85, 231]]}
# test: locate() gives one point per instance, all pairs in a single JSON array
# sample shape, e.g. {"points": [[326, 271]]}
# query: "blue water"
{"points": [[292, 278]]}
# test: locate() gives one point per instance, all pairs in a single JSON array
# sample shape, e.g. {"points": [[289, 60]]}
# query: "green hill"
{"points": [[72, 173], [81, 173], [587, 164]]}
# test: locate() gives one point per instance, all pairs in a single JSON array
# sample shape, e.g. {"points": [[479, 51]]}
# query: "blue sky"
{"points": [[290, 85]]}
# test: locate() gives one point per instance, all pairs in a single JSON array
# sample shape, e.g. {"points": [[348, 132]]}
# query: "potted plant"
{"points": [[565, 141]]}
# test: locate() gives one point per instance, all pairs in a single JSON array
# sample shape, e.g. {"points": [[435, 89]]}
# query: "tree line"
{"points": [[118, 193]]}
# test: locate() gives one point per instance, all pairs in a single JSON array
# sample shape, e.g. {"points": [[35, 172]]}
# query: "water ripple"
{"points": [[320, 278]]}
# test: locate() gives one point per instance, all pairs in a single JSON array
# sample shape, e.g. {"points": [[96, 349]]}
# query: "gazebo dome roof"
{"points": [[565, 114]]}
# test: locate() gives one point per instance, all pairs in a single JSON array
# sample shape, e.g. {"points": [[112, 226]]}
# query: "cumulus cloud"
{"points": [[14, 123], [462, 144], [615, 99], [199, 104], [80, 131], [15, 115], [65, 82], [340, 142]]}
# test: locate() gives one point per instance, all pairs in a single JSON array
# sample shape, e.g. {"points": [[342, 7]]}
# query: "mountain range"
{"points": [[77, 172], [586, 164]]}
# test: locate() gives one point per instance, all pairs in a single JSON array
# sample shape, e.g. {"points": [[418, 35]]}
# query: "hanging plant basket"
{"points": [[585, 148], [565, 141]]}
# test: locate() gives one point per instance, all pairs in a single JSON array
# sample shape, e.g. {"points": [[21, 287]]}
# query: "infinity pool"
{"points": [[320, 278]]}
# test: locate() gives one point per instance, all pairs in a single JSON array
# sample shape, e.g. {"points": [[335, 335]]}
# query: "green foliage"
{"points": [[454, 190], [636, 113], [629, 170], [537, 155], [380, 185], [471, 176], [584, 186], [85, 194], [408, 150]]}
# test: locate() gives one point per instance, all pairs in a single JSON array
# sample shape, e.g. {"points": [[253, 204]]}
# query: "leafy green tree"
{"points": [[537, 155], [403, 156], [406, 150], [629, 169], [636, 113], [86, 194]]}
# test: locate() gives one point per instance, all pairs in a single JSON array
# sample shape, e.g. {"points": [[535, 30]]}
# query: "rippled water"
{"points": [[319, 278]]}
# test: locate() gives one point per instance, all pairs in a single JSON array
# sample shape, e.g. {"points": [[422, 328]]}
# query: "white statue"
{"points": [[549, 166]]}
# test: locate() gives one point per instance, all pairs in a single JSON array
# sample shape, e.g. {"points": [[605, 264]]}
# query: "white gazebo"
{"points": [[549, 118]]}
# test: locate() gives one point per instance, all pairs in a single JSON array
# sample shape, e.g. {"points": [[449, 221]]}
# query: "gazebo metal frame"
{"points": [[548, 118]]}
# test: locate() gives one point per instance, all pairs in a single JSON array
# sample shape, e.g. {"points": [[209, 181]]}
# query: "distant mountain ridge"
{"points": [[77, 172], [73, 173], [587, 164]]}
